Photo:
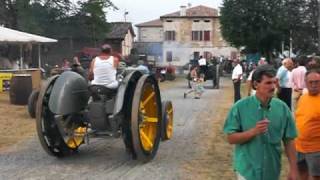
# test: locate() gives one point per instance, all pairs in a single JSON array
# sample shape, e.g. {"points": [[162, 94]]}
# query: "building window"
{"points": [[169, 56], [197, 35], [200, 36], [196, 20], [206, 21], [206, 35], [170, 36], [169, 20]]}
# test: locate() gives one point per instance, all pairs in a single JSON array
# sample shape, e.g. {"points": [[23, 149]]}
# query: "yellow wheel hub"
{"points": [[148, 118], [76, 139]]}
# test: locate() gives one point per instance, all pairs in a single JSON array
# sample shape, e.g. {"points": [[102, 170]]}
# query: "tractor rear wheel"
{"points": [[59, 135], [167, 120], [146, 118]]}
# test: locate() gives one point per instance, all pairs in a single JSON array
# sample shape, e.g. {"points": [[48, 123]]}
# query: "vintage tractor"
{"points": [[69, 112]]}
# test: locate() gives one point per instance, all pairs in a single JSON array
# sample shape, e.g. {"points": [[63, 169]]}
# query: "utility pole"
{"points": [[290, 50]]}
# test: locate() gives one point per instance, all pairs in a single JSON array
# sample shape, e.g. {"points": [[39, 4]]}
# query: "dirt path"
{"points": [[197, 150], [213, 160], [15, 123]]}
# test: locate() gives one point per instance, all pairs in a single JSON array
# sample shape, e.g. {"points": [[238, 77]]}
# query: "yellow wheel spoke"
{"points": [[71, 143], [170, 111], [148, 99], [150, 119], [146, 140], [142, 108]]}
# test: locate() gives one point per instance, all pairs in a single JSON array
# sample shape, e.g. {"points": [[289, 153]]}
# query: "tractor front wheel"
{"points": [[167, 119]]}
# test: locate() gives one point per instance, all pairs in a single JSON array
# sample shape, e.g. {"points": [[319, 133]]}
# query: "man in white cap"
{"points": [[262, 61]]}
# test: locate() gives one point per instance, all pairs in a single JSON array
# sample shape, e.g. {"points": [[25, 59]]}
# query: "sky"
{"points": [[140, 11]]}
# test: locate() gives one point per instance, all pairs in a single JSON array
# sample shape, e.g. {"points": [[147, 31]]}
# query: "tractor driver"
{"points": [[103, 68]]}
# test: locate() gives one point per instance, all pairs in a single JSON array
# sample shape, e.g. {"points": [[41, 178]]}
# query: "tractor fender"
{"points": [[127, 84], [69, 94]]}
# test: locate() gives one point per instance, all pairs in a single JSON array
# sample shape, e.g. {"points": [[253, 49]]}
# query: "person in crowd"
{"points": [[76, 67], [197, 80], [308, 126], [251, 91], [257, 125], [202, 64], [236, 79], [313, 62], [103, 68], [298, 79], [65, 64], [142, 67], [284, 84], [262, 61]]}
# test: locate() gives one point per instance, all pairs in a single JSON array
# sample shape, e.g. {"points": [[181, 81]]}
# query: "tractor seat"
{"points": [[100, 92]]}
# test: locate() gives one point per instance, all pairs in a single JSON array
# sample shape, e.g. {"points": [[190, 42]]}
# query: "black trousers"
{"points": [[236, 86], [285, 96], [203, 69]]}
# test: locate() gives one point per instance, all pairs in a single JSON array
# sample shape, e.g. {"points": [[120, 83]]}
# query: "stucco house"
{"points": [[120, 37]]}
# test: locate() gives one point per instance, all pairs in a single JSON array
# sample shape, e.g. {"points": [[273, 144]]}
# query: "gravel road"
{"points": [[106, 158]]}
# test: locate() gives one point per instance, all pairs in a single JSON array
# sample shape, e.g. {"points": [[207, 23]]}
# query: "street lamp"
{"points": [[88, 14], [125, 15]]}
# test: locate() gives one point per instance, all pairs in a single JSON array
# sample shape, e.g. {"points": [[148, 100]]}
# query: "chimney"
{"points": [[183, 10]]}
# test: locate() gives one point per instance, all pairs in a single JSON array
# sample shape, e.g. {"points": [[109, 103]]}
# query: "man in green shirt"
{"points": [[257, 125]]}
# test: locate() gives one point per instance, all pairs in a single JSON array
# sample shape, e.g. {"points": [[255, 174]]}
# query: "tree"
{"points": [[261, 26], [56, 18]]}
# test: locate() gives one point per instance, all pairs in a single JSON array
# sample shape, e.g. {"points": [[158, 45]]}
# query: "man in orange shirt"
{"points": [[308, 126]]}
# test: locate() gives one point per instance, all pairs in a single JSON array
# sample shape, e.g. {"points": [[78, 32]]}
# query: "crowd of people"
{"points": [[257, 124]]}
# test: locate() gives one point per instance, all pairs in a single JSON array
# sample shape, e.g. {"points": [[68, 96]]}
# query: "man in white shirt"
{"points": [[236, 78], [262, 61], [284, 84], [103, 68], [203, 65]]}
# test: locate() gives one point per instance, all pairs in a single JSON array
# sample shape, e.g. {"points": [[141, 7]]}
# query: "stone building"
{"points": [[186, 34]]}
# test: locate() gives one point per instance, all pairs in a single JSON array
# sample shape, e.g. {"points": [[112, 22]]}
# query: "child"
{"points": [[196, 83], [199, 89]]}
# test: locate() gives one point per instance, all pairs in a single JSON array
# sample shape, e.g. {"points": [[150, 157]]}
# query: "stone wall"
{"points": [[150, 34]]}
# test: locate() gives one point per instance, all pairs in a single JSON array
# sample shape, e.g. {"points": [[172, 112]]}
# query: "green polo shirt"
{"points": [[259, 158]]}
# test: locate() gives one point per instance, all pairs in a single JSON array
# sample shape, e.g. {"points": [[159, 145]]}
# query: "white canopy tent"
{"points": [[18, 37]]}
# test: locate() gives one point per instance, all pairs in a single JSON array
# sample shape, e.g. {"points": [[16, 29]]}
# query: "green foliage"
{"points": [[57, 18], [261, 26]]}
